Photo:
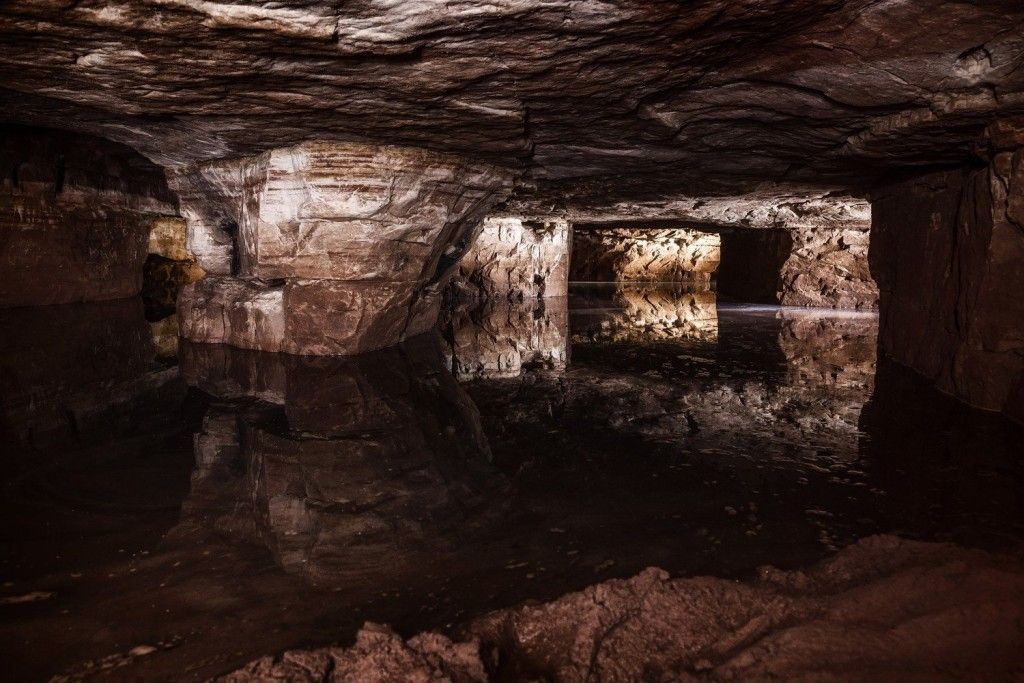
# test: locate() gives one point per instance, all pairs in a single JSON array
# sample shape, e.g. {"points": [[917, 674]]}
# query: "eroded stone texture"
{"points": [[500, 339], [947, 251], [353, 468], [515, 259], [248, 314], [893, 607], [824, 267], [363, 238], [641, 254], [75, 213]]}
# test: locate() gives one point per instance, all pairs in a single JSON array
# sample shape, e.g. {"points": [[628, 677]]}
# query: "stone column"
{"points": [[327, 248], [516, 259], [947, 250]]}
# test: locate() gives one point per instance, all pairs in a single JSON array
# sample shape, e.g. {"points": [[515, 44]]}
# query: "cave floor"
{"points": [[701, 437]]}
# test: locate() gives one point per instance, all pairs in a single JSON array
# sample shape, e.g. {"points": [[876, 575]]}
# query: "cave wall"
{"points": [[947, 250], [327, 248], [823, 267], [644, 255], [515, 259], [75, 216]]}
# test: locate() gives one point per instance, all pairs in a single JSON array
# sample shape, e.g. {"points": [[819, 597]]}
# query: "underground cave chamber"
{"points": [[511, 342]]}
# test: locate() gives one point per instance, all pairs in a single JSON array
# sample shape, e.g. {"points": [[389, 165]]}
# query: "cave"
{"points": [[500, 341]]}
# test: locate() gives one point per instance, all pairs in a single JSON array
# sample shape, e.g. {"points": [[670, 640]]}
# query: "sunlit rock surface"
{"points": [[893, 607], [645, 255], [349, 467], [501, 339], [947, 250], [515, 259], [75, 214], [336, 248]]}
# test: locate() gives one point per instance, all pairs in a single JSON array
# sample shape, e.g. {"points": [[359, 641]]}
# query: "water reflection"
{"points": [[283, 501], [72, 371], [644, 313], [354, 467], [498, 339]]}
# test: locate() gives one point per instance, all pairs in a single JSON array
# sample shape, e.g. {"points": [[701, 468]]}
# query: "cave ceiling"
{"points": [[630, 98]]}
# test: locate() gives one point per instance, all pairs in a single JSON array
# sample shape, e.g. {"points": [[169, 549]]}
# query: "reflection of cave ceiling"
{"points": [[705, 93]]}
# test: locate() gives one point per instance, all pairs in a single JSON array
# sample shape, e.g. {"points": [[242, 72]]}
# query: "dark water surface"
{"points": [[173, 512]]}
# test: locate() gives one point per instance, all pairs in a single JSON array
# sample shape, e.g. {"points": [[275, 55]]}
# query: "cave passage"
{"points": [[496, 341]]}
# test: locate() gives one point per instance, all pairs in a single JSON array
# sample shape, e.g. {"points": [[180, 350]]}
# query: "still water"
{"points": [[175, 510]]}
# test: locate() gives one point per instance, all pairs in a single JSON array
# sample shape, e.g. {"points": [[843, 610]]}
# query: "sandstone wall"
{"points": [[824, 267], [327, 248], [948, 254], [75, 214], [515, 259], [644, 255]]}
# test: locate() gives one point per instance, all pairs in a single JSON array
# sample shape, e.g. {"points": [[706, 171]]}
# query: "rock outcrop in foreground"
{"points": [[886, 608]]}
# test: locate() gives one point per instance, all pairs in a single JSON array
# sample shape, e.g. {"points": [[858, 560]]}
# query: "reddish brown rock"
{"points": [[947, 250], [363, 237], [885, 606], [248, 314], [75, 214], [515, 259], [641, 254]]}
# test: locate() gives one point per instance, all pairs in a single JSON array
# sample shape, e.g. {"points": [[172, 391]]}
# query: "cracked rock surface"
{"points": [[893, 607], [715, 93]]}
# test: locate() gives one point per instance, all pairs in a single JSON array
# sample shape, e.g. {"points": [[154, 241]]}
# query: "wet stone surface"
{"points": [[280, 502]]}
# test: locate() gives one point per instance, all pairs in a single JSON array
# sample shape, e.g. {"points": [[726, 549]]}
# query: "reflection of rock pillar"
{"points": [[499, 339], [341, 248], [369, 466], [947, 250], [516, 259]]}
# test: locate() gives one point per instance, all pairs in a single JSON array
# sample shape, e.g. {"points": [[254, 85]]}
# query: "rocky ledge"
{"points": [[891, 607]]}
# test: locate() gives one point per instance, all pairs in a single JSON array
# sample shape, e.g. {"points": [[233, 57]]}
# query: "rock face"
{"points": [[351, 467], [75, 214], [645, 96], [820, 267], [515, 259], [645, 255], [335, 248], [947, 250], [892, 607]]}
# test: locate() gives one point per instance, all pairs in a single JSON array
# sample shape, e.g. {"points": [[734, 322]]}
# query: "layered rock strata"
{"points": [[327, 248], [515, 259], [948, 254], [893, 607], [641, 254], [75, 216]]}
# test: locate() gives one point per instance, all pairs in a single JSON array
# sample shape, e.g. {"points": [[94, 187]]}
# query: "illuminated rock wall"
{"points": [[644, 255]]}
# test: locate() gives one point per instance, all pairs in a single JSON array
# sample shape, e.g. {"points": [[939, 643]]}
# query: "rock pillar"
{"points": [[516, 259], [75, 214], [327, 248], [947, 250]]}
